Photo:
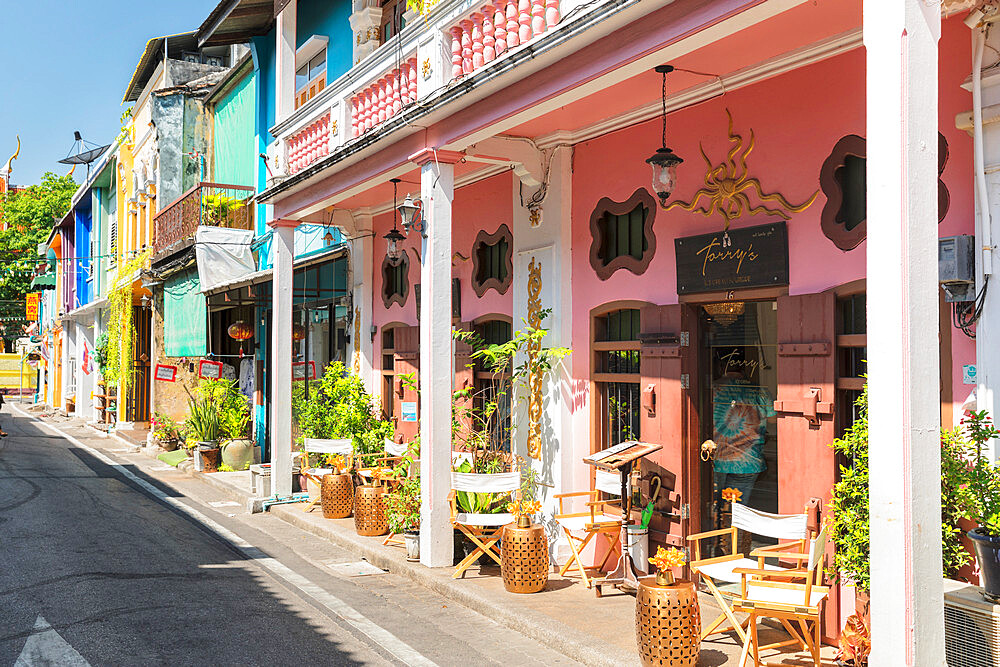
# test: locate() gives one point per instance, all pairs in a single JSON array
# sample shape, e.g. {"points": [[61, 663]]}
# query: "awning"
{"points": [[47, 281]]}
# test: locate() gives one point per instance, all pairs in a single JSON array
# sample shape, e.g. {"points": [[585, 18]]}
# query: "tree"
{"points": [[26, 218]]}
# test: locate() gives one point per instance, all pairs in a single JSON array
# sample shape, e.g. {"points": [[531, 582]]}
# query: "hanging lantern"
{"points": [[240, 331], [392, 240], [664, 161], [298, 332]]}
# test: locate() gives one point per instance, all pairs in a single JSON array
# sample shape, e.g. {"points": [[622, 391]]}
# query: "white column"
{"points": [[362, 258], [902, 108], [437, 190], [282, 252], [285, 62]]}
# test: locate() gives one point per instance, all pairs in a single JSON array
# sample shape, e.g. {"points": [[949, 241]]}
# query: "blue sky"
{"points": [[65, 66]]}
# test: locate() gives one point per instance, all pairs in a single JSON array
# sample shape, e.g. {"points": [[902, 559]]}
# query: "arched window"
{"points": [[615, 372]]}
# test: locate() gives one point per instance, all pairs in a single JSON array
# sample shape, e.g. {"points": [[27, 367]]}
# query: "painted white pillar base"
{"points": [[282, 254]]}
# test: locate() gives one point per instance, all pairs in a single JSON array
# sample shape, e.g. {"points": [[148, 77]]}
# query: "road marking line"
{"points": [[385, 639], [45, 646]]}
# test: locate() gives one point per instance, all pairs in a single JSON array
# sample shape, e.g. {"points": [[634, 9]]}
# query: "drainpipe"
{"points": [[978, 46]]}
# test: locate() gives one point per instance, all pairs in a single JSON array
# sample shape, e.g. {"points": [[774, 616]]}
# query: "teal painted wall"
{"points": [[322, 17]]}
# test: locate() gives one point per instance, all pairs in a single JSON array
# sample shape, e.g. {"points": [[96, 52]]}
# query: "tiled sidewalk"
{"points": [[566, 615]]}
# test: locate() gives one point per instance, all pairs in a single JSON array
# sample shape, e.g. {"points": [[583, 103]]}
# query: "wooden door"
{"points": [[805, 409], [138, 403], [662, 414], [406, 361]]}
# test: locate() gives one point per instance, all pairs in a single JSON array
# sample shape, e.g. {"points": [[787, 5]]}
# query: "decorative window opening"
{"points": [[852, 352], [852, 176], [622, 234], [393, 20], [310, 79], [395, 280], [616, 376], [493, 387], [492, 261]]}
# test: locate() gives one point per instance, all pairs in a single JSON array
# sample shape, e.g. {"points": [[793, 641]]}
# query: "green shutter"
{"points": [[184, 316], [235, 158]]}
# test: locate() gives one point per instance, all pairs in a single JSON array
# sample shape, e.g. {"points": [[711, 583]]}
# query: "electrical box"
{"points": [[957, 267]]}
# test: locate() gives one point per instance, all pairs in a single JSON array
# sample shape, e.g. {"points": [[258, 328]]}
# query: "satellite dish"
{"points": [[83, 152]]}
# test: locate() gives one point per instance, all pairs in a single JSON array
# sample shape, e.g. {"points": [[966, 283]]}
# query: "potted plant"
{"points": [[204, 427], [982, 500], [165, 431], [667, 617], [402, 506], [234, 421], [855, 643]]}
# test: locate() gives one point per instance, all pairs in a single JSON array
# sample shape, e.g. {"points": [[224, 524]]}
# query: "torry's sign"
{"points": [[737, 259]]}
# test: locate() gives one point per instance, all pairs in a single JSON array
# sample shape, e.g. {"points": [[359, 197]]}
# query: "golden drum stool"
{"points": [[667, 623], [337, 494], [524, 558], [369, 511]]}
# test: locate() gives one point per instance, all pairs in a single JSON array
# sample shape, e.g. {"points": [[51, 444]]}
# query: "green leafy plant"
{"points": [[219, 209], [203, 423], [119, 368], [981, 493], [402, 506], [233, 407], [339, 406], [850, 502], [101, 353], [164, 428], [223, 467]]}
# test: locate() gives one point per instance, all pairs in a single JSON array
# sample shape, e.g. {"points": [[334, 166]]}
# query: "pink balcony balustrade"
{"points": [[309, 144], [211, 204], [384, 98], [495, 28]]}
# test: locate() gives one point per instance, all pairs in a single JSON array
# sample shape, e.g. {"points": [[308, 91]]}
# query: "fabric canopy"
{"points": [[223, 254], [47, 281], [185, 316]]}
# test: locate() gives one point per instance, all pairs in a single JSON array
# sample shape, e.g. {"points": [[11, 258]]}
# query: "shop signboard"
{"points": [[209, 370], [303, 370], [31, 301], [165, 373], [733, 260]]}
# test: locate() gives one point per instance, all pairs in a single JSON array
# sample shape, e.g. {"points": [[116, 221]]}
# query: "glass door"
{"points": [[738, 368]]}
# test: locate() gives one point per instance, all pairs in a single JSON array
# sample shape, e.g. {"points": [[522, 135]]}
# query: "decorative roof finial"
{"points": [[9, 166]]}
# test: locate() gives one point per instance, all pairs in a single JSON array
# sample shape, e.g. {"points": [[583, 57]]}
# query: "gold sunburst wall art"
{"points": [[731, 192]]}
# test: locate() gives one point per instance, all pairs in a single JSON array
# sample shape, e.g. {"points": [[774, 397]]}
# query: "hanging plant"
{"points": [[121, 327], [422, 7]]}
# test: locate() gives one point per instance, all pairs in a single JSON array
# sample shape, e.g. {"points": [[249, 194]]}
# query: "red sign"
{"points": [[165, 373], [31, 301], [210, 370], [303, 370]]}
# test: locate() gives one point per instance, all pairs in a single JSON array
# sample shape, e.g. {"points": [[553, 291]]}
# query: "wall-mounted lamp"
{"points": [[410, 212], [664, 161]]}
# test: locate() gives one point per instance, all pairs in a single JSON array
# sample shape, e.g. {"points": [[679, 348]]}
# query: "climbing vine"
{"points": [[121, 328]]}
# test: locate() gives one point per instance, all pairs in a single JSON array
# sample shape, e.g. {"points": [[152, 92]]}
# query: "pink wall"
{"points": [[486, 205], [796, 119]]}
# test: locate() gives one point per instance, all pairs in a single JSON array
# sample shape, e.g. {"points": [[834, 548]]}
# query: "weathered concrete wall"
{"points": [[170, 398], [168, 116]]}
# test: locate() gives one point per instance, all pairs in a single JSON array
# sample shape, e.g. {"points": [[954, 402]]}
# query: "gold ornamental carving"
{"points": [[356, 364], [426, 68], [728, 186], [534, 370]]}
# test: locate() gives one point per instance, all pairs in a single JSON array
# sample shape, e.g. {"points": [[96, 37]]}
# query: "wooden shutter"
{"points": [[662, 399], [464, 375], [406, 359], [805, 407]]}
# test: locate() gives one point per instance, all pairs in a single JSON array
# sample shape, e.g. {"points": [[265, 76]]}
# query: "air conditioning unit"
{"points": [[971, 627]]}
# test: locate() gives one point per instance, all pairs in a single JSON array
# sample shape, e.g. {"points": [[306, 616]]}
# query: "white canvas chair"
{"points": [[484, 530], [342, 446], [723, 570], [789, 602], [582, 527], [381, 461]]}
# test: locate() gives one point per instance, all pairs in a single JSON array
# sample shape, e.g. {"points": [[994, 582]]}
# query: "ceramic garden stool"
{"points": [[337, 494], [369, 511], [667, 623], [524, 558]]}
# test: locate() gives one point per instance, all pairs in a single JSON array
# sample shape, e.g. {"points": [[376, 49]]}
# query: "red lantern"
{"points": [[240, 331]]}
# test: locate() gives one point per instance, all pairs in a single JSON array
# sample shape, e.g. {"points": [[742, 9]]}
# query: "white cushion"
{"points": [[484, 519], [778, 526], [572, 523], [486, 483], [790, 596], [723, 570]]}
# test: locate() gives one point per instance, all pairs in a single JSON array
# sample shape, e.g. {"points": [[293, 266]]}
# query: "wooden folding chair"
{"points": [[343, 446], [595, 521], [484, 530], [722, 570], [791, 603]]}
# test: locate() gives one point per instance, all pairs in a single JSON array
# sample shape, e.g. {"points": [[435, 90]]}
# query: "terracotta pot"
{"points": [[337, 496], [369, 511], [524, 560], [210, 459], [667, 623]]}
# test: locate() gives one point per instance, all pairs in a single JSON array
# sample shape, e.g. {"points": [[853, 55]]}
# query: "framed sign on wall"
{"points": [[737, 259]]}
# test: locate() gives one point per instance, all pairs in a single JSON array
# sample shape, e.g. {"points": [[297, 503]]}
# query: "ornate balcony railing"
{"points": [[212, 204], [456, 39]]}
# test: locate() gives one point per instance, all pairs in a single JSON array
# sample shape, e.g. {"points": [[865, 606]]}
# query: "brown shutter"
{"points": [[406, 359], [464, 374], [661, 421], [805, 407]]}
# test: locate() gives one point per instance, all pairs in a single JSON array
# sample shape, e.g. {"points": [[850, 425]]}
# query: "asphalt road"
{"points": [[96, 570]]}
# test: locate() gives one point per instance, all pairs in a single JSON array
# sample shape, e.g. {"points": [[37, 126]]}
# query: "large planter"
{"points": [[238, 454], [524, 559], [667, 623], [369, 511], [170, 444], [988, 556], [337, 496], [210, 455]]}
